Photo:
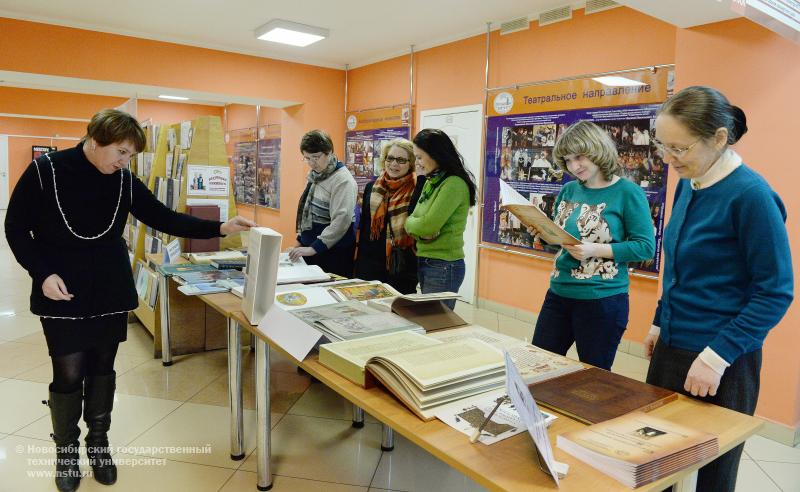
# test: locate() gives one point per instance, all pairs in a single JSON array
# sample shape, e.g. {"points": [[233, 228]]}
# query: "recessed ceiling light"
{"points": [[173, 98], [292, 33], [616, 81]]}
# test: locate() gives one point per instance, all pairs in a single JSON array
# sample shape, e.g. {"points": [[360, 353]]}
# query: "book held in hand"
{"points": [[532, 216], [639, 448]]}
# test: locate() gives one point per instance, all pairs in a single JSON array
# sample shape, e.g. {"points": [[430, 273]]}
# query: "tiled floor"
{"points": [[185, 406]]}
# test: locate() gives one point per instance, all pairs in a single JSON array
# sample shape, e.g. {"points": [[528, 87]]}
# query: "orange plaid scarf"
{"points": [[392, 197]]}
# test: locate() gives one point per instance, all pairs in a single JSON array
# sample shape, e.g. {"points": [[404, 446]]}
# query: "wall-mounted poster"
{"points": [[207, 180], [40, 150], [268, 168], [244, 165], [524, 124], [367, 132]]}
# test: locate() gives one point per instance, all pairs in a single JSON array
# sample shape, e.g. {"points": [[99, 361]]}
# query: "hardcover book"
{"points": [[595, 395]]}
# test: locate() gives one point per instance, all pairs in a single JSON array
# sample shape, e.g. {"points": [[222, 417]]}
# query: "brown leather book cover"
{"points": [[208, 212], [595, 395]]}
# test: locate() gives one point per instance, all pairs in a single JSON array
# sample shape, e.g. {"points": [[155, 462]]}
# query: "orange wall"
{"points": [[752, 67], [745, 61], [454, 75], [102, 56]]}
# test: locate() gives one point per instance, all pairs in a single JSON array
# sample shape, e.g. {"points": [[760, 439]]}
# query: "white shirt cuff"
{"points": [[655, 330], [714, 361]]}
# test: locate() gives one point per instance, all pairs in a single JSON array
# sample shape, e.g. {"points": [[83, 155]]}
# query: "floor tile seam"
{"points": [[768, 476]]}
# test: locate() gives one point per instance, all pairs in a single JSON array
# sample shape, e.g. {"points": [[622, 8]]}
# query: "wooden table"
{"points": [[508, 465]]}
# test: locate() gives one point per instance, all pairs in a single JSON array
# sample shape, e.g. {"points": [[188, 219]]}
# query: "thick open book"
{"points": [[532, 216], [426, 378], [638, 448], [290, 272]]}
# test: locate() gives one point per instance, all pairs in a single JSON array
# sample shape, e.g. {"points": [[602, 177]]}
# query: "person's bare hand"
{"points": [[702, 380], [649, 344], [296, 253], [54, 288], [236, 224]]}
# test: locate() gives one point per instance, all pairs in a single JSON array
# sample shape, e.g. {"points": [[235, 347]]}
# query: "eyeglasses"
{"points": [[399, 160], [661, 148], [312, 157]]}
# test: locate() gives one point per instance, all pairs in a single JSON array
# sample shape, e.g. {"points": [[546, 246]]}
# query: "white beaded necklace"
{"points": [[66, 222]]}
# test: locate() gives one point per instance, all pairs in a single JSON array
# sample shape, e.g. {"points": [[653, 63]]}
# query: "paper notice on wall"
{"points": [[208, 180], [222, 204]]}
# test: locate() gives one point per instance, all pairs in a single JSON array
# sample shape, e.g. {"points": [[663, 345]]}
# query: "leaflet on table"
{"points": [[534, 420], [288, 332], [304, 298], [468, 414], [201, 289]]}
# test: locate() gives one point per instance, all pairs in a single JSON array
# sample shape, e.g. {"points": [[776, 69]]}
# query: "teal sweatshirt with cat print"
{"points": [[617, 214]]}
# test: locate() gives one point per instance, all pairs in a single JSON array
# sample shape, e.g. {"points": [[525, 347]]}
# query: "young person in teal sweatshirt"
{"points": [[727, 277], [587, 302], [439, 219]]}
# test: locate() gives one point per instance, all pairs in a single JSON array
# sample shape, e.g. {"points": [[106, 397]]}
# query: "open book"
{"points": [[532, 216], [352, 319], [428, 377], [291, 272]]}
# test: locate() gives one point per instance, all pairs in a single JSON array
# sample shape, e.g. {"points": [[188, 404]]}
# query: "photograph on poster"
{"points": [[519, 151], [208, 180], [244, 172], [268, 178]]}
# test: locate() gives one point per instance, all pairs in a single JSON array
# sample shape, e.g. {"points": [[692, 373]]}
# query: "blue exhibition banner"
{"points": [[519, 150]]}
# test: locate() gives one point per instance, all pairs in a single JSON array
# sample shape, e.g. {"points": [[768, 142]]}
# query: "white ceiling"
{"points": [[362, 31]]}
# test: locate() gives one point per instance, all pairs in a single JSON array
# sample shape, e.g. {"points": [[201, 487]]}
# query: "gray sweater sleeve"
{"points": [[343, 191]]}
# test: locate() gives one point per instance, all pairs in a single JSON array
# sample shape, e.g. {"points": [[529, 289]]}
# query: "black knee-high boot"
{"points": [[65, 412], [98, 403]]}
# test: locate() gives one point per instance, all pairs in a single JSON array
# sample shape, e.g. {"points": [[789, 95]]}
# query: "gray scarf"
{"points": [[304, 206]]}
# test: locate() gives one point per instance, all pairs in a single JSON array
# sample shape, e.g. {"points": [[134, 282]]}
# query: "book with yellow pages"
{"points": [[363, 292], [349, 358], [639, 448], [532, 216], [426, 378]]}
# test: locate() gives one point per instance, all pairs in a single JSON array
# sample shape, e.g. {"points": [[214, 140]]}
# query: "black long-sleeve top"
{"points": [[64, 190]]}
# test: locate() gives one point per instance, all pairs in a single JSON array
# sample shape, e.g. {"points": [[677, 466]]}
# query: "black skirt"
{"points": [[67, 336]]}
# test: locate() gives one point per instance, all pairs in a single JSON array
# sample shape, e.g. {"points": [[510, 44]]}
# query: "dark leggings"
{"points": [[69, 370]]}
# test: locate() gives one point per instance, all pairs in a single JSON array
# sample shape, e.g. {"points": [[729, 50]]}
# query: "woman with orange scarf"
{"points": [[385, 251]]}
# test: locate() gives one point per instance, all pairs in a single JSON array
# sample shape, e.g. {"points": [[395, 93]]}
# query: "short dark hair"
{"points": [[316, 141], [110, 126], [703, 110], [438, 145]]}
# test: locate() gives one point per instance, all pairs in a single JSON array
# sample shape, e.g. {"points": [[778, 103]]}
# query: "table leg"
{"points": [[687, 484], [387, 443], [263, 419], [166, 350], [235, 389], [358, 417]]}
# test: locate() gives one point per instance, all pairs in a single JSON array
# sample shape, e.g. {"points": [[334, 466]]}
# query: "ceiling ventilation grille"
{"points": [[555, 15], [514, 25], [595, 6]]}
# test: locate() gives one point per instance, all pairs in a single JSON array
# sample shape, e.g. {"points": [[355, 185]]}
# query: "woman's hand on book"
{"points": [[702, 380], [236, 224], [296, 253], [54, 288]]}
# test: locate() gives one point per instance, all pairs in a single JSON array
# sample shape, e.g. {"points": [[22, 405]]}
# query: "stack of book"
{"points": [[352, 319], [638, 448], [208, 257]]}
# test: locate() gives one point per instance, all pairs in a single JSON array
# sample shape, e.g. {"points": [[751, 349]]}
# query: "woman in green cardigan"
{"points": [[440, 217]]}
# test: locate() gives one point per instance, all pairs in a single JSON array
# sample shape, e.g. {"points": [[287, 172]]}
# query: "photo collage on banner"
{"points": [[256, 165], [367, 132], [522, 129]]}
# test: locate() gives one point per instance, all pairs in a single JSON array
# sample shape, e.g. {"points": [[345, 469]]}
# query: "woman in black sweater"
{"points": [[64, 225], [387, 203]]}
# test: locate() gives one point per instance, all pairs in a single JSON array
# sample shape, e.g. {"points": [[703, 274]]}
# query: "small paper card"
{"points": [[172, 251]]}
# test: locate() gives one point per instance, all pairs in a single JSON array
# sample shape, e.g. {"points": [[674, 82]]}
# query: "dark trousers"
{"points": [[738, 390], [338, 260], [595, 325], [440, 276]]}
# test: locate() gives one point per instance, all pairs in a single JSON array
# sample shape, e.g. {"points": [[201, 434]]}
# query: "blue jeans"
{"points": [[440, 276], [595, 325]]}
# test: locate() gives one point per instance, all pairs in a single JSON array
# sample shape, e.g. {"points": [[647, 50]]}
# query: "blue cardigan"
{"points": [[728, 267]]}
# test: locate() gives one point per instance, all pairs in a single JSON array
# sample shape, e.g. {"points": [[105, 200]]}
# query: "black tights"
{"points": [[69, 370]]}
